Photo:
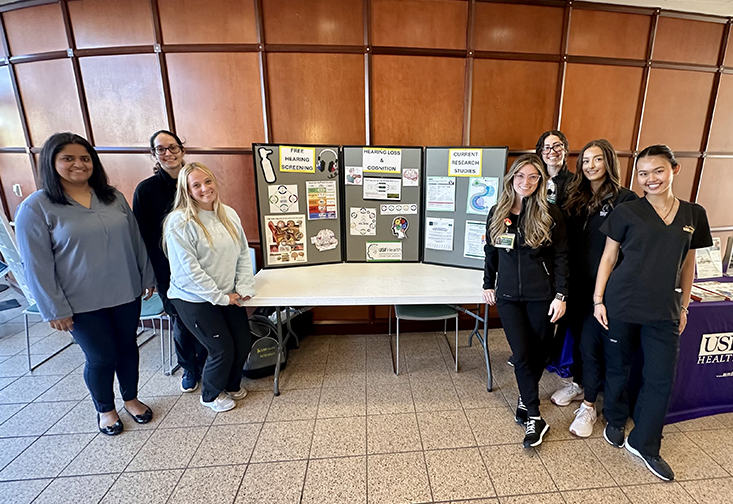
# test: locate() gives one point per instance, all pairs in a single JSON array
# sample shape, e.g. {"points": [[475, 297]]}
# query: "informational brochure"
{"points": [[439, 234], [363, 221], [321, 199], [397, 208], [482, 193], [709, 261], [474, 240], [286, 239], [297, 159], [441, 194], [464, 162], [389, 189], [383, 251], [283, 198], [375, 160]]}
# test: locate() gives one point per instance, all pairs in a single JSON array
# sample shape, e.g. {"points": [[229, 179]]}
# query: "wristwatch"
{"points": [[561, 297]]}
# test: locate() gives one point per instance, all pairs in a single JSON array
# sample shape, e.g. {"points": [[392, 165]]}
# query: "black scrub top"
{"points": [[645, 286]]}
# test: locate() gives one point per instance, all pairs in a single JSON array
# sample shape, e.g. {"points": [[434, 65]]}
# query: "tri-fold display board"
{"points": [[460, 187], [298, 202]]}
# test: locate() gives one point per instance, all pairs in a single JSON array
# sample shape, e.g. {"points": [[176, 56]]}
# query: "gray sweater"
{"points": [[79, 259]]}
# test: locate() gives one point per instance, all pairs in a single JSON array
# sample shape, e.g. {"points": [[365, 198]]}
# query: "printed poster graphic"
{"points": [[321, 199], [441, 194], [324, 240], [400, 225], [285, 239], [474, 240], [297, 159], [397, 208], [464, 162], [363, 221], [482, 192], [383, 251], [410, 177], [381, 160], [283, 198], [439, 234], [382, 189], [353, 175]]}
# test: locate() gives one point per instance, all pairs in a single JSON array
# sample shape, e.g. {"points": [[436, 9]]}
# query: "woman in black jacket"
{"points": [[592, 195], [525, 276], [553, 147]]}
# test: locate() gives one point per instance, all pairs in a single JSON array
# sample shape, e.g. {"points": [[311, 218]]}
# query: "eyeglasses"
{"points": [[160, 150], [533, 179], [557, 147]]}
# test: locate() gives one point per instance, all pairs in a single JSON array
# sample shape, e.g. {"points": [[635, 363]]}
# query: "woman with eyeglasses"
{"points": [[152, 201], [642, 301], [593, 194], [525, 276], [553, 148]]}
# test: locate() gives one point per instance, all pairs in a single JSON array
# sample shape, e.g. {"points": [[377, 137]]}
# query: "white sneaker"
{"points": [[567, 394], [585, 418], [222, 403], [238, 395]]}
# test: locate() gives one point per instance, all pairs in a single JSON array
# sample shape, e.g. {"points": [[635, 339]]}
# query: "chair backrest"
{"points": [[253, 259], [9, 249]]}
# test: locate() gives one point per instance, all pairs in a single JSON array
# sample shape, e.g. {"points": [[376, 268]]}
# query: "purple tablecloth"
{"points": [[704, 381]]}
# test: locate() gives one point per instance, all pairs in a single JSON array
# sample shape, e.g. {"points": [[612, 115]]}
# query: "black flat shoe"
{"points": [[111, 430], [144, 418]]}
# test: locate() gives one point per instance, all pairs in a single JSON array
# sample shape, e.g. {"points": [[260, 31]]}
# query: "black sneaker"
{"points": [[614, 436], [656, 465], [510, 360], [521, 415], [535, 431]]}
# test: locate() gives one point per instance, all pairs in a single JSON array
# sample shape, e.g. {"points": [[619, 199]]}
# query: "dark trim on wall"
{"points": [[560, 92], [468, 76], [368, 133], [26, 3], [264, 80], [162, 65], [80, 89]]}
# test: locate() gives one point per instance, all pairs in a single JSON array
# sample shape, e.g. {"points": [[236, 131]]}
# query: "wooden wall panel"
{"points": [[716, 186], [35, 29], [721, 134], [50, 98], [513, 102], [518, 28], [331, 22], [125, 98], [210, 22], [608, 34], [686, 41], [16, 169], [235, 174], [216, 98], [600, 102], [728, 60], [125, 171], [682, 186], [419, 23], [11, 129], [676, 108], [96, 23], [410, 108], [317, 98]]}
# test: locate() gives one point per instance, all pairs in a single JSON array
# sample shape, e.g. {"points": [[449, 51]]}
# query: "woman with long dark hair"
{"points": [[642, 301], [87, 267], [553, 148], [525, 276]]}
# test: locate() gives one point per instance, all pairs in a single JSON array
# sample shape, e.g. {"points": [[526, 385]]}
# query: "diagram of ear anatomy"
{"points": [[266, 164]]}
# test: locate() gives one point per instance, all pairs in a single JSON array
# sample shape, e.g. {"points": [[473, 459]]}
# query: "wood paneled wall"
{"points": [[226, 73]]}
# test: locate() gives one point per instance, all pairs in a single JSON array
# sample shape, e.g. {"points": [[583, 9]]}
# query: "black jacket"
{"points": [[562, 181], [152, 201], [524, 273]]}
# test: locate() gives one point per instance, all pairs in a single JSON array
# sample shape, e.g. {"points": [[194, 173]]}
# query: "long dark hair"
{"points": [[581, 198], [51, 180], [152, 145], [541, 143]]}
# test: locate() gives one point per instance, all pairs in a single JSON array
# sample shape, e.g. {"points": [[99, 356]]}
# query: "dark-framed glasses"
{"points": [[160, 150], [557, 147]]}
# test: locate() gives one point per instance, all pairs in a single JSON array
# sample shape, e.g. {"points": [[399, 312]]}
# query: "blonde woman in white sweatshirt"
{"points": [[211, 273]]}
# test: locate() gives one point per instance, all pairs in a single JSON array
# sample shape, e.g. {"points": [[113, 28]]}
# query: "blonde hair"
{"points": [[189, 207], [537, 222]]}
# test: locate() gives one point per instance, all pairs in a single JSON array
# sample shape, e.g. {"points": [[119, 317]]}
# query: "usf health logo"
{"points": [[716, 348]]}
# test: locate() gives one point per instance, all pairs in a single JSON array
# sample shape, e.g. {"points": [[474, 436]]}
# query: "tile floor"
{"points": [[344, 430]]}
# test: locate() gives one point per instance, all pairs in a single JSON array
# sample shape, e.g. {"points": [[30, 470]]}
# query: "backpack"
{"points": [[262, 358]]}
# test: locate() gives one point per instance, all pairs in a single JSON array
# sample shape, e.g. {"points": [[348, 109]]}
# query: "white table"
{"points": [[349, 284]]}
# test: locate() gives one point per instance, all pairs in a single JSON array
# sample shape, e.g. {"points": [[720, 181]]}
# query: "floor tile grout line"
{"points": [[704, 451]]}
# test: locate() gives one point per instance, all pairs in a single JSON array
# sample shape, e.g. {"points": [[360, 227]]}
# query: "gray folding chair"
{"points": [[422, 312]]}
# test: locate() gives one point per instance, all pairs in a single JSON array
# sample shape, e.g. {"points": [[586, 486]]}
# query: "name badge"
{"points": [[505, 241]]}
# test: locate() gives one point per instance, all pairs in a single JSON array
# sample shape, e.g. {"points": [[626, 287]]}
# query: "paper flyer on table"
{"points": [[382, 189], [709, 261], [321, 199], [439, 234], [481, 195], [441, 194], [474, 240]]}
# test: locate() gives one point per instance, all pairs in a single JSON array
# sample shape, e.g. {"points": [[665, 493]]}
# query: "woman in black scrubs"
{"points": [[643, 301], [592, 195], [525, 276], [553, 147]]}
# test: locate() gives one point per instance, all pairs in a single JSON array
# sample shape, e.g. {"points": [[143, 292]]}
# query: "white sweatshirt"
{"points": [[203, 273]]}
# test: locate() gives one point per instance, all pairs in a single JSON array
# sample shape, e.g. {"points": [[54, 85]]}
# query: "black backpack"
{"points": [[262, 358]]}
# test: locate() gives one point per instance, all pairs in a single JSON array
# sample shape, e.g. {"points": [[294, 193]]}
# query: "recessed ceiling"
{"points": [[717, 7]]}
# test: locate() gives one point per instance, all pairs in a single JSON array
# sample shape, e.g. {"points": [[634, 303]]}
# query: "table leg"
{"points": [[279, 350], [489, 378]]}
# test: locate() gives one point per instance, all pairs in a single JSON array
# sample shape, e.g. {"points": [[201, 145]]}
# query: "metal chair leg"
{"points": [[456, 340], [398, 345], [28, 341]]}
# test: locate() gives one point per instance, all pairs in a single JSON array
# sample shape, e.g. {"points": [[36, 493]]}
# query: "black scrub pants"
{"points": [[573, 320], [224, 331], [592, 339], [108, 338], [529, 333], [659, 342], [190, 353]]}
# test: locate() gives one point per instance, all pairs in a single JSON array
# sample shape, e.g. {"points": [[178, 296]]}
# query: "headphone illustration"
{"points": [[333, 166]]}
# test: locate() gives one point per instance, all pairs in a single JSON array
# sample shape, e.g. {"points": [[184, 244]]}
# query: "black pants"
{"points": [[108, 338], [592, 337], [190, 353], [224, 331], [529, 333], [573, 320], [660, 344]]}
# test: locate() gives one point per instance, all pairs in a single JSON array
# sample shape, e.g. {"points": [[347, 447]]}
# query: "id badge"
{"points": [[505, 241]]}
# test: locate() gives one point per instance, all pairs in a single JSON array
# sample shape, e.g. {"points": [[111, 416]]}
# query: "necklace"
{"points": [[668, 211]]}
